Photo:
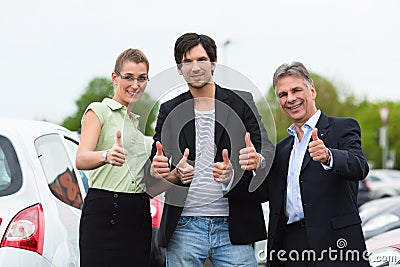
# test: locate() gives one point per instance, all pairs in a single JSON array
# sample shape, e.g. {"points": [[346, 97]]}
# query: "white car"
{"points": [[383, 183], [384, 249], [260, 247], [41, 194]]}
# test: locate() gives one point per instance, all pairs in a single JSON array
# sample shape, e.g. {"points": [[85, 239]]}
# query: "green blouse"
{"points": [[128, 178]]}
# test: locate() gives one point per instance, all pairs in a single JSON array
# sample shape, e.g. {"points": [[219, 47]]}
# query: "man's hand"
{"points": [[317, 148], [159, 166], [222, 171], [185, 171], [116, 154], [249, 159]]}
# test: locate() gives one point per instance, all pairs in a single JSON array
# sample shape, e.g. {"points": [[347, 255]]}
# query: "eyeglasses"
{"points": [[129, 78]]}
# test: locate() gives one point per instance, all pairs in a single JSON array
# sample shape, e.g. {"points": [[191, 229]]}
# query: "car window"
{"points": [[84, 175], [373, 178], [10, 170], [5, 173], [58, 169], [73, 148]]}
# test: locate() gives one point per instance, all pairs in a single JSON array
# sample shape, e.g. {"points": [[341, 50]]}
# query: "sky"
{"points": [[52, 49]]}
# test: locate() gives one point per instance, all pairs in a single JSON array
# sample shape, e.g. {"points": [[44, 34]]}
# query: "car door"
{"points": [[63, 205]]}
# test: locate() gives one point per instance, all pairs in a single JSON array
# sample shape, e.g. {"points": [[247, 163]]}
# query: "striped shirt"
{"points": [[205, 197]]}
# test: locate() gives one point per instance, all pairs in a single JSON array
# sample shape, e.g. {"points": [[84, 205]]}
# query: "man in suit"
{"points": [[313, 182], [209, 147]]}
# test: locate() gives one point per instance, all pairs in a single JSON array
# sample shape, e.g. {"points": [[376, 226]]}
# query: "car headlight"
{"points": [[388, 256], [380, 221]]}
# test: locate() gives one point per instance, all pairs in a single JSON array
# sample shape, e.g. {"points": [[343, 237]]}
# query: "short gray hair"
{"points": [[296, 69]]}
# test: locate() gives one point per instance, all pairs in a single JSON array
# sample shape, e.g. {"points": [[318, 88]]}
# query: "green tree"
{"points": [[394, 131], [147, 108], [100, 88], [368, 116]]}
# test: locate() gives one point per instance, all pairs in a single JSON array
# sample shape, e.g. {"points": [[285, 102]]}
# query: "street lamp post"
{"points": [[225, 76], [383, 136], [225, 45]]}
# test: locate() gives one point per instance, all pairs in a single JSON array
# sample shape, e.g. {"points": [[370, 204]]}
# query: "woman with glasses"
{"points": [[115, 225]]}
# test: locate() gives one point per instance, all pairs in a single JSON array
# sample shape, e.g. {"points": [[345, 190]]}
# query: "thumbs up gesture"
{"points": [[222, 171], [159, 166], [116, 155], [317, 148], [249, 159], [185, 170]]}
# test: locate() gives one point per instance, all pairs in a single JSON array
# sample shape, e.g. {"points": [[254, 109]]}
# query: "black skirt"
{"points": [[115, 229]]}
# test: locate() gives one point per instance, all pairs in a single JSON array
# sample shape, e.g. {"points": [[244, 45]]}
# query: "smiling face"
{"points": [[129, 82], [296, 99], [197, 68]]}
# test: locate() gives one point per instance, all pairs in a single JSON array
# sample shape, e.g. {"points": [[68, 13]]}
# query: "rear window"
{"points": [[59, 170], [373, 178], [10, 170]]}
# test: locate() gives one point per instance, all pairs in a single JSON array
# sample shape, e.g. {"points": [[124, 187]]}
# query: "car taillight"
{"points": [[367, 185], [397, 246], [155, 210], [26, 230]]}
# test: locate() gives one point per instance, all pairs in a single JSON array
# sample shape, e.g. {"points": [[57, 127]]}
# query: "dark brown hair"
{"points": [[189, 40]]}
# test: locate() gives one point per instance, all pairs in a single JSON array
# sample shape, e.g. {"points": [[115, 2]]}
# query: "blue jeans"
{"points": [[198, 238]]}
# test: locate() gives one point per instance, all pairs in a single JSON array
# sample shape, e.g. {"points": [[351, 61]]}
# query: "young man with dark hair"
{"points": [[209, 145]]}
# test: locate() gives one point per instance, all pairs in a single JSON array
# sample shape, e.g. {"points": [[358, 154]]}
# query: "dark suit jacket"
{"points": [[329, 197], [235, 114]]}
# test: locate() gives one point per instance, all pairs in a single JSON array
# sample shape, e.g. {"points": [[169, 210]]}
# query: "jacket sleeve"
{"points": [[252, 185], [349, 160]]}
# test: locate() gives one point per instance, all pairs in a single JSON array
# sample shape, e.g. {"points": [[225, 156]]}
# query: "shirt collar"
{"points": [[309, 124], [114, 105]]}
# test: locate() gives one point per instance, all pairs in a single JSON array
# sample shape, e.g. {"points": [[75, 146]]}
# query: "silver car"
{"points": [[383, 183]]}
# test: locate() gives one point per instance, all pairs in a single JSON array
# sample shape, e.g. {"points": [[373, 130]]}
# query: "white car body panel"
{"points": [[61, 223]]}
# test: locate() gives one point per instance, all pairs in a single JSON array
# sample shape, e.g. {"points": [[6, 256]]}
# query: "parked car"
{"points": [[384, 249], [41, 194], [364, 192], [380, 215], [383, 183], [260, 247], [157, 254]]}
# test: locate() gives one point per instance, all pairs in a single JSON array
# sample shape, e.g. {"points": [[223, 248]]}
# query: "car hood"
{"points": [[372, 208]]}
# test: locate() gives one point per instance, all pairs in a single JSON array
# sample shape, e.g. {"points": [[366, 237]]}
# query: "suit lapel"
{"points": [[285, 157], [222, 110], [186, 115], [283, 166]]}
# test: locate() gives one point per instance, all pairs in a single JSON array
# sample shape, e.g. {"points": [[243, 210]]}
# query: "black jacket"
{"points": [[236, 114], [329, 197]]}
